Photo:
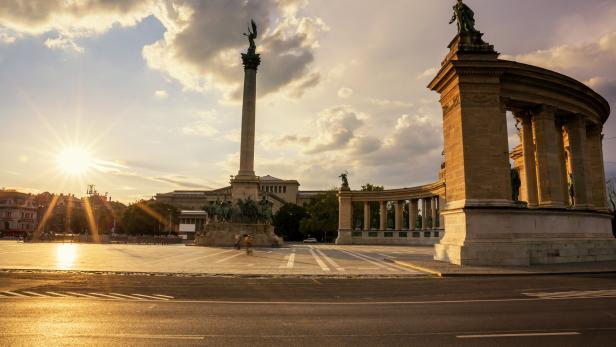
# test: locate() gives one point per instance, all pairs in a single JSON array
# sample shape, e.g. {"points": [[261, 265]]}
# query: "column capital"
{"points": [[544, 111], [251, 60]]}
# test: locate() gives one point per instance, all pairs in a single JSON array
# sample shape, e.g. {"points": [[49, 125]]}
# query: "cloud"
{"points": [[431, 72], [202, 41], [390, 103], [6, 38], [201, 48], [336, 127], [161, 94], [574, 58], [63, 43], [178, 181], [605, 86], [345, 93]]}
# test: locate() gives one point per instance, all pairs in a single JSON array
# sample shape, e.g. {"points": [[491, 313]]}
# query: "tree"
{"points": [[148, 217], [322, 219], [287, 221]]}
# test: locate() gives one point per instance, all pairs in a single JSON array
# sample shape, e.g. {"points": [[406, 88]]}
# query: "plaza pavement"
{"points": [[293, 259]]}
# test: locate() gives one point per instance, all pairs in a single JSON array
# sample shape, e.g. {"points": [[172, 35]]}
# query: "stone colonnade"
{"points": [[560, 160], [422, 218]]}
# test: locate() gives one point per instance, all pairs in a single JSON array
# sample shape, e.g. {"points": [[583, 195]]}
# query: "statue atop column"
{"points": [[251, 59], [465, 17]]}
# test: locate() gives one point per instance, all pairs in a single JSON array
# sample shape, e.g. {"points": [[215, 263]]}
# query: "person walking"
{"points": [[237, 241], [248, 241]]}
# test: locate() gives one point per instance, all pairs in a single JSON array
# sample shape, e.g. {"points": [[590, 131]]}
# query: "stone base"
{"points": [[344, 237], [223, 235], [525, 237], [244, 187]]}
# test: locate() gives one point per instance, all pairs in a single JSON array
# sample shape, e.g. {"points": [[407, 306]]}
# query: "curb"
{"points": [[416, 267], [502, 274]]}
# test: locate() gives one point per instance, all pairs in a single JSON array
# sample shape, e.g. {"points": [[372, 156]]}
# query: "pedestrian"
{"points": [[236, 241], [248, 241]]}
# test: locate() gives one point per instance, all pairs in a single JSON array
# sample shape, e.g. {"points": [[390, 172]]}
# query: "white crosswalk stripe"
{"points": [[82, 295], [57, 294], [13, 294], [330, 260], [150, 297], [107, 296], [164, 296], [227, 258], [319, 261], [607, 293], [353, 254], [34, 294], [127, 296]]}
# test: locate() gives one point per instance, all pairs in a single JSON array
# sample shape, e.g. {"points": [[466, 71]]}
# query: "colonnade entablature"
{"points": [[403, 216]]}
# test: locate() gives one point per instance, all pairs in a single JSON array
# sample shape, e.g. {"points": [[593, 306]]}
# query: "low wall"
{"points": [[425, 237], [223, 235]]}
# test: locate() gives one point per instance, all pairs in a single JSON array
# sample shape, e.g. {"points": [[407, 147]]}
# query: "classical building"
{"points": [[278, 191], [18, 213], [560, 213]]}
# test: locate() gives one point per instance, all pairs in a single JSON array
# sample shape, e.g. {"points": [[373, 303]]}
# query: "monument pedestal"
{"points": [[244, 187], [519, 236]]}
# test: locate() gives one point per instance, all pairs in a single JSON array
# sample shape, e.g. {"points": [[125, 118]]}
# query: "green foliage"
{"points": [[369, 187], [287, 222], [322, 217], [148, 218]]}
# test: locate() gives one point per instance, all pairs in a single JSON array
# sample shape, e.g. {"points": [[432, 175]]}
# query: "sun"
{"points": [[74, 160]]}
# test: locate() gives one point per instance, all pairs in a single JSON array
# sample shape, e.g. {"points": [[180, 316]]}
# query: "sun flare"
{"points": [[74, 160]]}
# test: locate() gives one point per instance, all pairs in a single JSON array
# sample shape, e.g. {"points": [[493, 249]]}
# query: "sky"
{"points": [[144, 96]]}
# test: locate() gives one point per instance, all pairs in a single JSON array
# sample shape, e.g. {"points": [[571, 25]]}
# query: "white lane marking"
{"points": [[329, 260], [108, 296], [268, 252], [318, 260], [291, 260], [14, 294], [58, 294], [164, 296], [564, 333], [83, 295], [127, 296], [368, 260], [151, 297], [34, 294], [608, 293], [387, 264], [126, 336], [229, 257]]}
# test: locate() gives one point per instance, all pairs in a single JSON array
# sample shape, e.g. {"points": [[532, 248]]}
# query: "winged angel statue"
{"points": [[252, 35]]}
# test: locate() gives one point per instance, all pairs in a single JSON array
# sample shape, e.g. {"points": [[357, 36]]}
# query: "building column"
{"points": [[383, 215], [398, 215], [367, 216], [576, 128], [424, 214], [528, 153], [547, 156], [433, 208], [441, 206], [413, 214], [596, 169], [345, 219]]}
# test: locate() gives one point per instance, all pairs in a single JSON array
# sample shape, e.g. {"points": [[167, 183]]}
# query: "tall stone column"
{"points": [[424, 214], [413, 214], [345, 217], [398, 215], [433, 211], [383, 215], [367, 216], [596, 170], [245, 184], [549, 169], [528, 153], [576, 129], [442, 201]]}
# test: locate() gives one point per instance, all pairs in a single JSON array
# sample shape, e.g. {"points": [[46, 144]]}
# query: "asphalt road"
{"points": [[46, 309]]}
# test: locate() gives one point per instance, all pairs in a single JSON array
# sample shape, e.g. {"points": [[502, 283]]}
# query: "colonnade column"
{"points": [[441, 206], [549, 169], [383, 215], [596, 170], [413, 214], [398, 215], [433, 211], [424, 214], [528, 152], [367, 216], [576, 129]]}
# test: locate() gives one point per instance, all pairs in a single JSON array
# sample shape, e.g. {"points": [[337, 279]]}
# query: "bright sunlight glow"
{"points": [[65, 255], [74, 160]]}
